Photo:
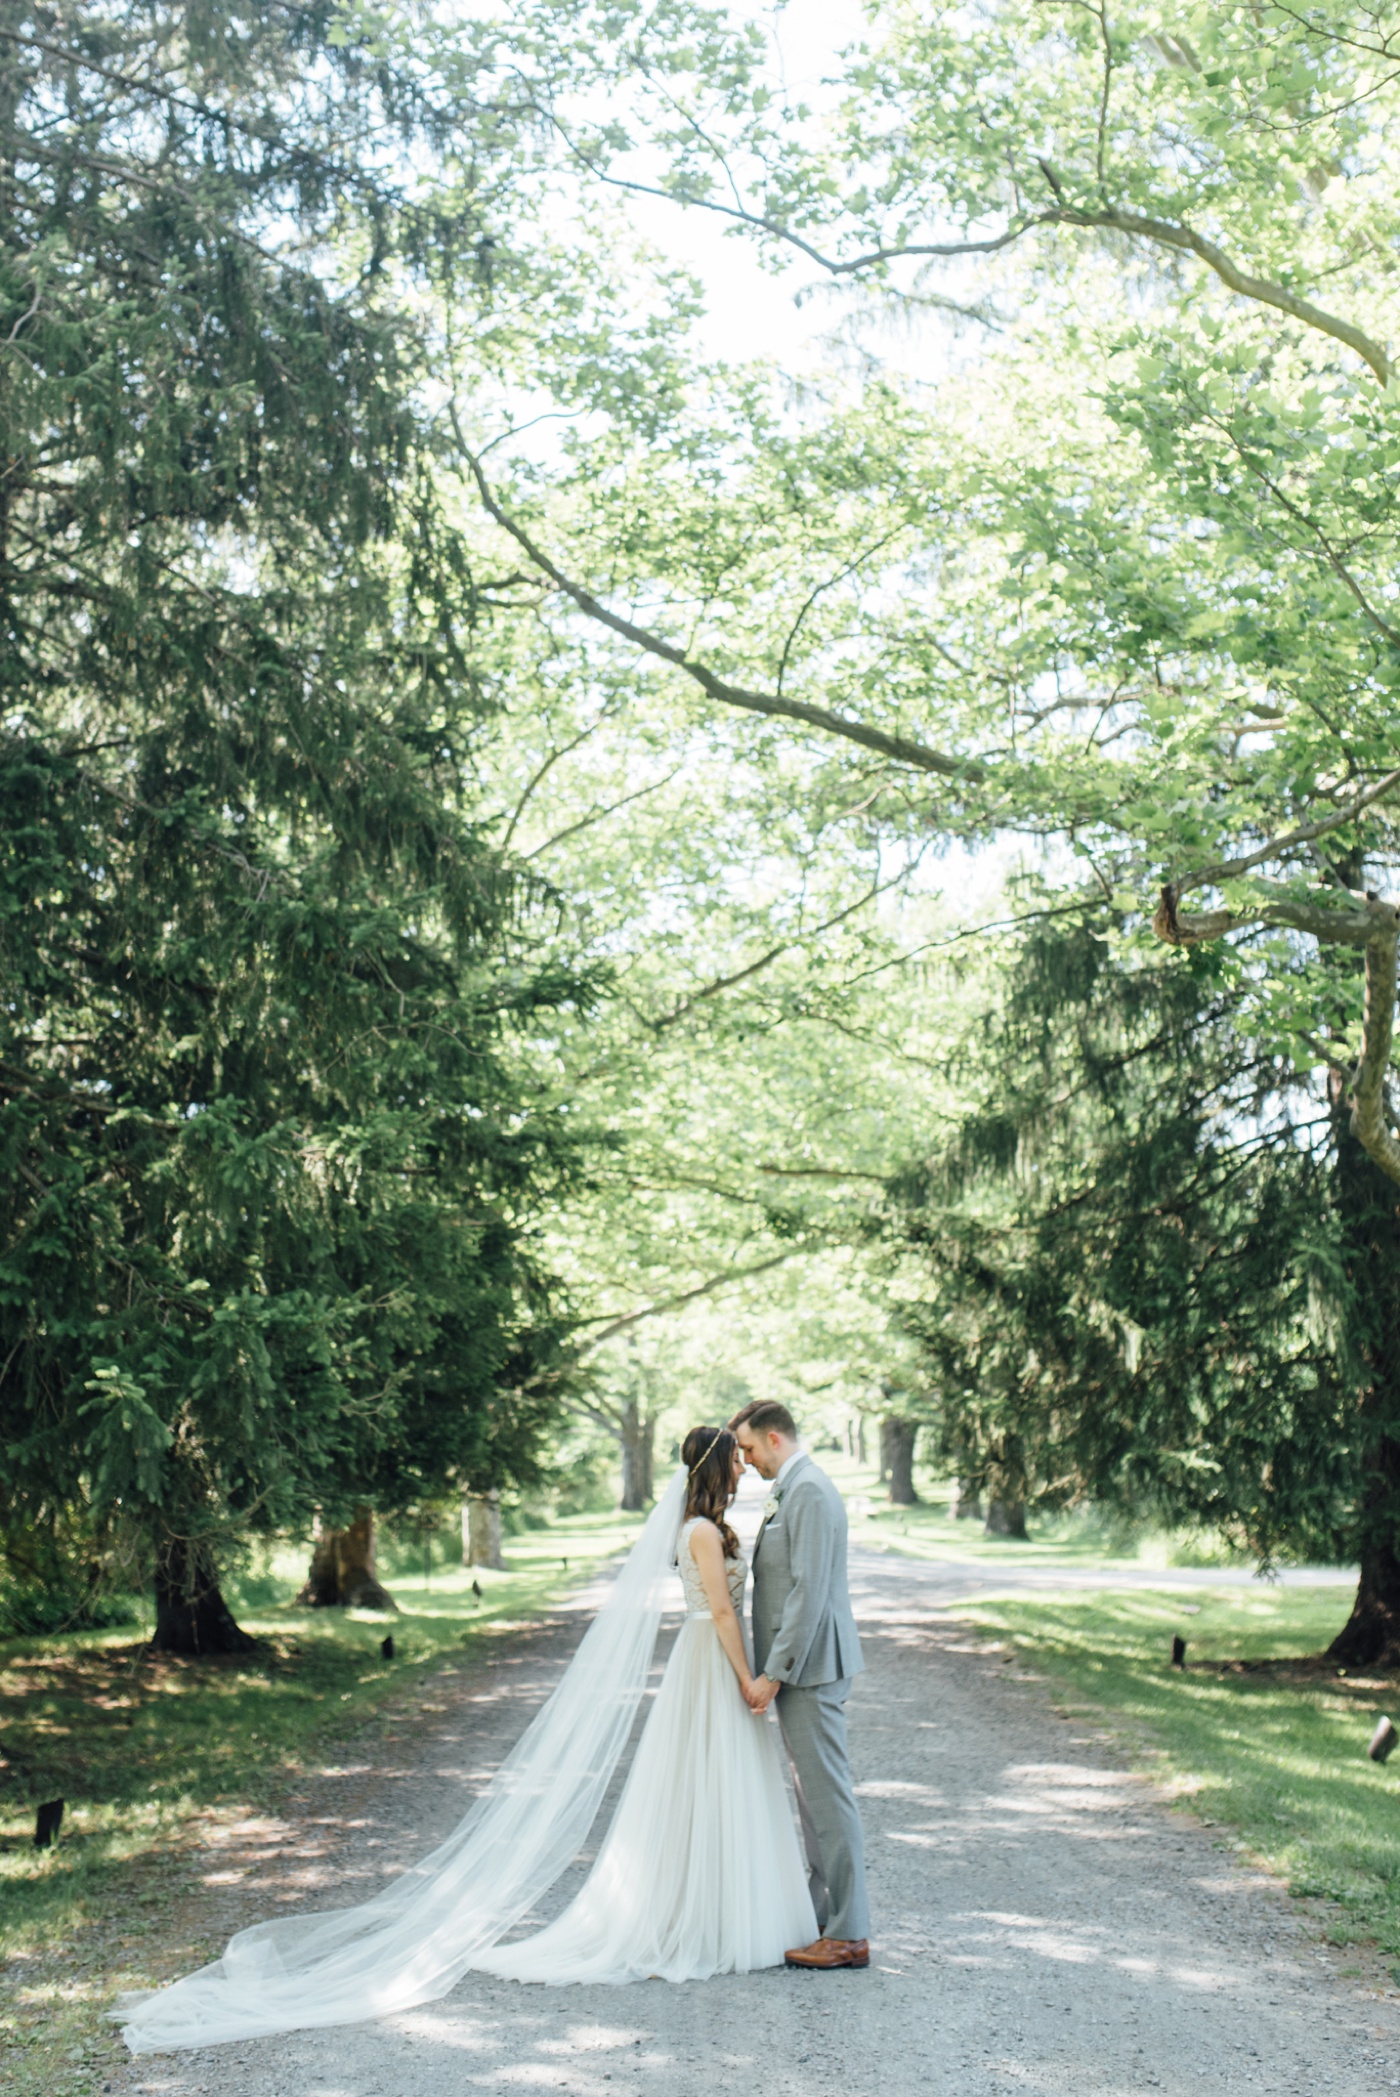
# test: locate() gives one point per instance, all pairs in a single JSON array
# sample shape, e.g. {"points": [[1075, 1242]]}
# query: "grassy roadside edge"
{"points": [[1268, 1756], [120, 1913]]}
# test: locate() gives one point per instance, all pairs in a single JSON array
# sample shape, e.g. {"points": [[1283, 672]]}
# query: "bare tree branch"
{"points": [[830, 584], [599, 815], [741, 975], [1100, 15], [690, 200], [564, 750], [823, 1172]]}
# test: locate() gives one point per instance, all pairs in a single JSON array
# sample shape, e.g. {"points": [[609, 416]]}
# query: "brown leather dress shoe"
{"points": [[830, 1952]]}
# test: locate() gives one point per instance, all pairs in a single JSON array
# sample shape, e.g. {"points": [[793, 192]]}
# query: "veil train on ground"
{"points": [[413, 1941]]}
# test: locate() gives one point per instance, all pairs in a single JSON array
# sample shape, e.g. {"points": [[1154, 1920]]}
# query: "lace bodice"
{"points": [[695, 1603]]}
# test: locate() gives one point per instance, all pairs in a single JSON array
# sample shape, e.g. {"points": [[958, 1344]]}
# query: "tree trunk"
{"points": [[1370, 1204], [1371, 1634], [1006, 1518], [481, 1531], [638, 1438], [897, 1438], [967, 1501], [860, 1441], [191, 1615], [341, 1574]]}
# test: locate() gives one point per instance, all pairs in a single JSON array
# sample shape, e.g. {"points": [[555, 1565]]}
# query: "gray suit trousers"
{"points": [[814, 1727]]}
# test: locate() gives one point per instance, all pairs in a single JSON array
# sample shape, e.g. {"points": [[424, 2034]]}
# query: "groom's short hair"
{"points": [[765, 1416]]}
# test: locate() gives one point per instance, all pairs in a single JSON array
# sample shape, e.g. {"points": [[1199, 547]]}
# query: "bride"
{"points": [[700, 1870]]}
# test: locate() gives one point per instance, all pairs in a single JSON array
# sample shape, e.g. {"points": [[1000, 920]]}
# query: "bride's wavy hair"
{"points": [[708, 1455]]}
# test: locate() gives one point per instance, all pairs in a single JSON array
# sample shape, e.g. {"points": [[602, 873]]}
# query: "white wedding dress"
{"points": [[700, 1871]]}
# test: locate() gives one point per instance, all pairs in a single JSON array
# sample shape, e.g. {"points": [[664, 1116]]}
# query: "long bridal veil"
{"points": [[413, 1941]]}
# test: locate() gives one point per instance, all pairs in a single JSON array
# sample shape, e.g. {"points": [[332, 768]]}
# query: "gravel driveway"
{"points": [[1043, 1924]]}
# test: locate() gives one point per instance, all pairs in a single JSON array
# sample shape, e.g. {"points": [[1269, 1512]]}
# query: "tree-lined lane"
{"points": [[1045, 1925]]}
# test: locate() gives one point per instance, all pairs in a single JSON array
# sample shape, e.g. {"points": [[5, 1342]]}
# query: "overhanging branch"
{"points": [[675, 1303], [1137, 225], [753, 968], [1354, 923], [1275, 847], [1261, 289], [1364, 921], [901, 749]]}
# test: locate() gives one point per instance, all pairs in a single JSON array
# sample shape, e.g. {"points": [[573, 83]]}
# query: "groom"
{"points": [[805, 1643]]}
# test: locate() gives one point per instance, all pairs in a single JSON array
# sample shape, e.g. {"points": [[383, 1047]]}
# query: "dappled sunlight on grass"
{"points": [[152, 1755], [139, 1743], [1276, 1753]]}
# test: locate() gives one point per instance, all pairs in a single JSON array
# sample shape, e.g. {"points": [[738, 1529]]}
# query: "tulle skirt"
{"points": [[701, 1871]]}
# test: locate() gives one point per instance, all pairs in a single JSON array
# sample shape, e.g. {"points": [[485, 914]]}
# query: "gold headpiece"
{"points": [[709, 1452]]}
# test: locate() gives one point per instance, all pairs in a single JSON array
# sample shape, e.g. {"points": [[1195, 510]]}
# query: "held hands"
{"points": [[760, 1692]]}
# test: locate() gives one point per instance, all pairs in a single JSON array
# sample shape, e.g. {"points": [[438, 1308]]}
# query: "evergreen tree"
{"points": [[270, 1160], [1138, 1289]]}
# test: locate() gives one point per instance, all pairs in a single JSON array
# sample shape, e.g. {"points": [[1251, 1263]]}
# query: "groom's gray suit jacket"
{"points": [[804, 1632]]}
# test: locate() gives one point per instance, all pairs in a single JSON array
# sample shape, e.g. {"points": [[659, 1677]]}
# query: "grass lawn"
{"points": [[1273, 1753], [929, 1531], [141, 1747]]}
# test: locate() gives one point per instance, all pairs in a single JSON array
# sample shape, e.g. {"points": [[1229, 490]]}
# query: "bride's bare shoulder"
{"points": [[703, 1532]]}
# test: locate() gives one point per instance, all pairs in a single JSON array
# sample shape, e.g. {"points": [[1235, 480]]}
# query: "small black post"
{"points": [[47, 1824], [476, 1589], [1382, 1740], [386, 1647], [1178, 1652]]}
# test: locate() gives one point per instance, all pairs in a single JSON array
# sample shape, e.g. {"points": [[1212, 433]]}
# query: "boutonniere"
{"points": [[771, 1506]]}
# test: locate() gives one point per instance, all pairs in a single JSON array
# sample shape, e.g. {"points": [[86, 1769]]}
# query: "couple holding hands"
{"points": [[700, 1871]]}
